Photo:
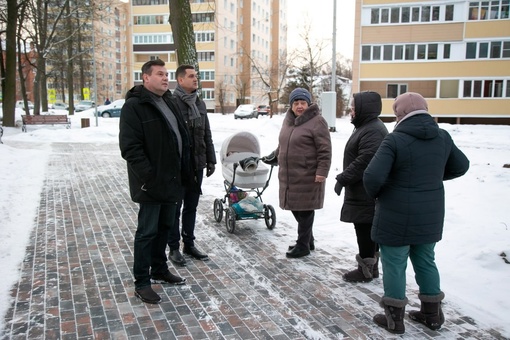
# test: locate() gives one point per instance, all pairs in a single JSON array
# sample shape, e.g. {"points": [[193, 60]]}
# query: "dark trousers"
{"points": [[154, 223], [366, 246], [305, 226], [189, 206]]}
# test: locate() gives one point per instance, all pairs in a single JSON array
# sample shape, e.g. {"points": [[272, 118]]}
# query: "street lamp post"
{"points": [[94, 65]]}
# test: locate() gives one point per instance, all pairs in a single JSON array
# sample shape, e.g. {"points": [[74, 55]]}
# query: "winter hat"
{"points": [[407, 103], [300, 94]]}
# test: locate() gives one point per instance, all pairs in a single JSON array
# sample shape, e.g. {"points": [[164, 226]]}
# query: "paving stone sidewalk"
{"points": [[76, 280]]}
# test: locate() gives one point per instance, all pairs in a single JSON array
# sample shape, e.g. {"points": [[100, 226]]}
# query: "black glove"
{"points": [[338, 188], [270, 159], [210, 169]]}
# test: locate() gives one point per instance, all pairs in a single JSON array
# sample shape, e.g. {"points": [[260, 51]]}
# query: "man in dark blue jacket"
{"points": [[154, 142], [406, 177]]}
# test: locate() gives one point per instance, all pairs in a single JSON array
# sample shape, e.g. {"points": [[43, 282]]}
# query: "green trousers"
{"points": [[394, 264]]}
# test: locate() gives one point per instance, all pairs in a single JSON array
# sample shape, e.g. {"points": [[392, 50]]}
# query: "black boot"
{"points": [[430, 313], [375, 270], [364, 273], [393, 318], [297, 252]]}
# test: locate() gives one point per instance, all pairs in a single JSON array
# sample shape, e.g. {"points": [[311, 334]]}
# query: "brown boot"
{"points": [[430, 313], [364, 273], [393, 318]]}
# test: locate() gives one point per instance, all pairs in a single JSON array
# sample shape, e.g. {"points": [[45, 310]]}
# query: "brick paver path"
{"points": [[76, 280]]}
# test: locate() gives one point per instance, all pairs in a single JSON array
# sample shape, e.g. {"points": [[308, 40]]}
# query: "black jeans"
{"points": [[366, 246], [189, 206], [305, 226], [154, 223]]}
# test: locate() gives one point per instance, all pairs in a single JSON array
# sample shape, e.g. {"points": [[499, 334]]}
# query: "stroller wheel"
{"points": [[269, 216], [218, 210], [230, 219]]}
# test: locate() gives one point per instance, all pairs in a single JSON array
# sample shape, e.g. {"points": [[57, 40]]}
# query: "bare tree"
{"points": [[9, 72], [182, 31], [222, 94]]}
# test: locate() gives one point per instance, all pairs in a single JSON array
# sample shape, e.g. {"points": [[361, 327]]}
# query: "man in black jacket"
{"points": [[194, 112], [154, 142]]}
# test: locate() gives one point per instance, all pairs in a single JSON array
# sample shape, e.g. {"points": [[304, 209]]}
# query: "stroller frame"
{"points": [[231, 216]]}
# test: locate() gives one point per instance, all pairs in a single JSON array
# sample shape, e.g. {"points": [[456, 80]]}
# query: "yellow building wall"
{"points": [[412, 33], [491, 29], [460, 107], [464, 69]]}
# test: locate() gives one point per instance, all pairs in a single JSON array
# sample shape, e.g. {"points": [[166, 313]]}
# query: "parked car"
{"points": [[112, 109], [263, 110], [246, 111], [60, 106], [84, 105], [20, 104]]}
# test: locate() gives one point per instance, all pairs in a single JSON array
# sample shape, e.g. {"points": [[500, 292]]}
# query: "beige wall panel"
{"points": [[150, 10], [460, 106], [492, 29], [388, 3], [425, 88], [412, 33], [494, 68], [140, 29]]}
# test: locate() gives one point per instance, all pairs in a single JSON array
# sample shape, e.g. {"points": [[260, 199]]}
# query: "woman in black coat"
{"points": [[358, 208], [406, 177]]}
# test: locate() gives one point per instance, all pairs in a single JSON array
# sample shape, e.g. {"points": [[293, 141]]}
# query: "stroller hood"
{"points": [[242, 141]]}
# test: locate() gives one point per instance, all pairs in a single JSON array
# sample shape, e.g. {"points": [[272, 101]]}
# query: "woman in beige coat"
{"points": [[304, 159]]}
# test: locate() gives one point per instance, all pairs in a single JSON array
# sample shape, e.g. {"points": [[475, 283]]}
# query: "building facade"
{"points": [[236, 41], [455, 53]]}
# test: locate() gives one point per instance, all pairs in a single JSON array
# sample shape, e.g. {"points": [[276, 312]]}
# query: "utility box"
{"points": [[328, 101]]}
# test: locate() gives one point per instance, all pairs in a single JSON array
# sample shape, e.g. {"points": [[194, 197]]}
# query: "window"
{"points": [[425, 14], [388, 52], [422, 50], [506, 49], [399, 52], [395, 15], [405, 14], [432, 52], [409, 52], [384, 15], [365, 53], [488, 10], [470, 50], [489, 88], [374, 16], [446, 51], [496, 49], [416, 14], [376, 53], [395, 90], [449, 13], [449, 88]]}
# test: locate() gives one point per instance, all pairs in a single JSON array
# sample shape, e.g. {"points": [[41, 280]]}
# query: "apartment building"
{"points": [[455, 53], [236, 40]]}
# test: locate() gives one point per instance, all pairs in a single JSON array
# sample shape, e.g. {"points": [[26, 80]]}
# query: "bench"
{"points": [[44, 120]]}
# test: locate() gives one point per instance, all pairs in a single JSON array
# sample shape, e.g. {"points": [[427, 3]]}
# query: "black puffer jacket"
{"points": [[147, 142], [360, 148], [406, 176], [203, 146]]}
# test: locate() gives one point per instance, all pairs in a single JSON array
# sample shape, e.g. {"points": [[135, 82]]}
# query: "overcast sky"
{"points": [[318, 15]]}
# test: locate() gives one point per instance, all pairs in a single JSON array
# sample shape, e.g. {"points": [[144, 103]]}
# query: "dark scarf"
{"points": [[190, 100]]}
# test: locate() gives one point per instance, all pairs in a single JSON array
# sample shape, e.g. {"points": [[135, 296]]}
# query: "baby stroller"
{"points": [[244, 175]]}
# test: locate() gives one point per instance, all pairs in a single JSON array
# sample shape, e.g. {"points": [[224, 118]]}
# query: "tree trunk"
{"points": [[9, 86]]}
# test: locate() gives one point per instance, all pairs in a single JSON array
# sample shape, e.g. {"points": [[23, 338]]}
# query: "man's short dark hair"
{"points": [[181, 70], [147, 67]]}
